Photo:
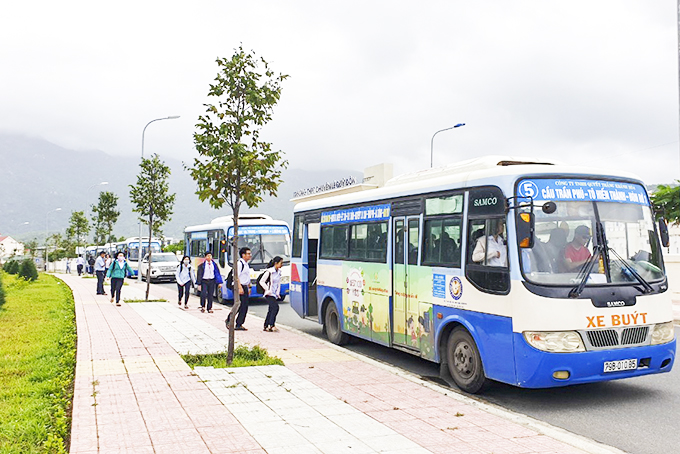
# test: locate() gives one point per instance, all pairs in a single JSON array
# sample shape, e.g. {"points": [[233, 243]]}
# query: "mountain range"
{"points": [[37, 177]]}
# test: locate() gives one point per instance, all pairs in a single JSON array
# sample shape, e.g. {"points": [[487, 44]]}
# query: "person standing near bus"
{"points": [[243, 284], [80, 262], [99, 269], [271, 284], [118, 270], [185, 278], [208, 276]]}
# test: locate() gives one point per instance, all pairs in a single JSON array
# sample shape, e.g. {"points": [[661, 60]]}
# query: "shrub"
{"points": [[28, 271], [2, 292], [11, 267]]}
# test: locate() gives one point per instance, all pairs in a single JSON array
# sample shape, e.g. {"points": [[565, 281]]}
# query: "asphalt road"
{"points": [[639, 415]]}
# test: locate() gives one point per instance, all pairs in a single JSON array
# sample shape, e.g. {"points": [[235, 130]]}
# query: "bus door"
{"points": [[303, 288], [312, 257], [405, 300]]}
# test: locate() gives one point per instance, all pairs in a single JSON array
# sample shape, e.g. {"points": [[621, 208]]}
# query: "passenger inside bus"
{"points": [[492, 247], [576, 253]]}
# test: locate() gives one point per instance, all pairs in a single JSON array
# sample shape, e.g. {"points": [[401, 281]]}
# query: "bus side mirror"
{"points": [[525, 229], [663, 233], [549, 207]]}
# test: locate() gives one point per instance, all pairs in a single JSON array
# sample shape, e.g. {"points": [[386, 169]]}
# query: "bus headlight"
{"points": [[555, 341], [662, 333]]}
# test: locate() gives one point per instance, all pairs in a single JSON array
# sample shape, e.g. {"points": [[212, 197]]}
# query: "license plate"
{"points": [[616, 366]]}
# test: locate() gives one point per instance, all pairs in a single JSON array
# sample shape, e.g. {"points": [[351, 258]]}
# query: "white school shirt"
{"points": [[99, 264], [184, 274], [209, 270], [494, 245], [80, 261], [244, 274], [273, 287]]}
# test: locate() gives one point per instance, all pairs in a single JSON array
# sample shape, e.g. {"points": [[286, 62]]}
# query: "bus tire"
{"points": [[333, 325], [218, 296], [464, 361]]}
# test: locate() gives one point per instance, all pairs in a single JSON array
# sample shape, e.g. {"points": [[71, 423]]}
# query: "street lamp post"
{"points": [[47, 232], [432, 140], [139, 242]]}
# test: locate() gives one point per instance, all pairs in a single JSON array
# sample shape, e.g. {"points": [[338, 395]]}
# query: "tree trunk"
{"points": [[148, 268], [237, 297]]}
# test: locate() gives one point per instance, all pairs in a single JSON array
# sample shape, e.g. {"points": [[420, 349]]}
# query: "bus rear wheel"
{"points": [[464, 361], [333, 325]]}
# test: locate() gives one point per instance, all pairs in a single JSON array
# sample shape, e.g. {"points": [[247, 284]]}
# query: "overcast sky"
{"points": [[584, 81]]}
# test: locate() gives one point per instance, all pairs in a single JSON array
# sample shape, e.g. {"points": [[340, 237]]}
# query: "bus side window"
{"points": [[487, 256]]}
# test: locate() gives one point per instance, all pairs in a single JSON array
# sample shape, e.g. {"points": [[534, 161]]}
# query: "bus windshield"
{"points": [[265, 247], [133, 249], [566, 240]]}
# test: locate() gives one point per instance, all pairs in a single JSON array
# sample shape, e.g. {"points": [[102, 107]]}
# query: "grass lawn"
{"points": [[243, 357], [37, 362]]}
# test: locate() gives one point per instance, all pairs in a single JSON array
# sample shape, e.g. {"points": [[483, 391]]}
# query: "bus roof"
{"points": [[462, 174], [224, 222]]}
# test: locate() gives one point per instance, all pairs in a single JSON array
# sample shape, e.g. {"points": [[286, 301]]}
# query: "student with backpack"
{"points": [[241, 283], [269, 284], [118, 270], [185, 278]]}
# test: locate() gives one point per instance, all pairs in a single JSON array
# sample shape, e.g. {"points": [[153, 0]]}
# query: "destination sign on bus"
{"points": [[260, 230], [583, 190], [359, 214]]}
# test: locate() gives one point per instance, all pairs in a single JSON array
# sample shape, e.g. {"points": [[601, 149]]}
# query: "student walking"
{"points": [[242, 284], [108, 262], [270, 281], [118, 270], [68, 265], [99, 269], [208, 276], [185, 278], [80, 262]]}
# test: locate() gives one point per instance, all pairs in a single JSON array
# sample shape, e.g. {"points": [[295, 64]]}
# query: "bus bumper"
{"points": [[535, 368]]}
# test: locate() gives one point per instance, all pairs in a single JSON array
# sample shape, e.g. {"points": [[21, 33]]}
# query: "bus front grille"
{"points": [[635, 335], [603, 338]]}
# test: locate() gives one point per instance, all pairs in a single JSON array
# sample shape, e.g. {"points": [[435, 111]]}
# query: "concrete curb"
{"points": [[557, 433]]}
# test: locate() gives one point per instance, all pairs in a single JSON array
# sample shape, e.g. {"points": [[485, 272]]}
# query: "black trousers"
{"points": [[243, 309], [116, 287], [183, 290], [80, 269], [207, 293], [272, 312], [100, 283]]}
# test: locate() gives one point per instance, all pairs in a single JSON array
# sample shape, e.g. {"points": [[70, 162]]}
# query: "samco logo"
{"points": [[456, 288]]}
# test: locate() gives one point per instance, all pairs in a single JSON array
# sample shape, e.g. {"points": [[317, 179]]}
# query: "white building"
{"points": [[9, 247]]}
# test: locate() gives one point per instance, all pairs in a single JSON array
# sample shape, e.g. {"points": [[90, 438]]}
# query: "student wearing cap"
{"points": [[208, 276]]}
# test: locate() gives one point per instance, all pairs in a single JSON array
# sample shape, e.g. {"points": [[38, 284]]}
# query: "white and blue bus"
{"points": [[131, 249], [531, 274], [265, 237]]}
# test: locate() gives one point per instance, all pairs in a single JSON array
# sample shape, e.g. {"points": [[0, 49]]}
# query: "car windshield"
{"points": [[565, 241], [164, 258]]}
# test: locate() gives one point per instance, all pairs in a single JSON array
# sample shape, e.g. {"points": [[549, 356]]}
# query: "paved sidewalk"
{"points": [[135, 394]]}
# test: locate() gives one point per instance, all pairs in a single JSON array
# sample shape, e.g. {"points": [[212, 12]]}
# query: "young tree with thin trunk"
{"points": [[234, 166], [104, 216], [78, 228], [153, 201]]}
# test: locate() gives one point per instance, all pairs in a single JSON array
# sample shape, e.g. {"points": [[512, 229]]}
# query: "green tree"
{"points": [[177, 247], [30, 247], [666, 202], [78, 229], [152, 200], [104, 217], [234, 166], [27, 270]]}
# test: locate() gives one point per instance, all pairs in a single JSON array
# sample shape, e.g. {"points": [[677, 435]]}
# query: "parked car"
{"points": [[163, 266]]}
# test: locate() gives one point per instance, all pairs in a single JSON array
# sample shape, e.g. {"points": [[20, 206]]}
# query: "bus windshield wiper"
{"points": [[585, 270], [631, 269]]}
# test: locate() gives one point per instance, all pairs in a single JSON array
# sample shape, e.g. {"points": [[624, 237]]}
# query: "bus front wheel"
{"points": [[333, 325], [464, 361]]}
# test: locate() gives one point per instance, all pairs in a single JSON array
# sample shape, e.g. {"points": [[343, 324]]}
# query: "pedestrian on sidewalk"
{"points": [[68, 265], [118, 270], [99, 269], [90, 265], [208, 276], [242, 283], [270, 281], [185, 278], [80, 262], [108, 262]]}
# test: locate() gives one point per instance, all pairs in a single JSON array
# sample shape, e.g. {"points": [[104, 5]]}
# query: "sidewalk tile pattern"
{"points": [[135, 394]]}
